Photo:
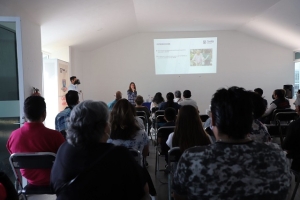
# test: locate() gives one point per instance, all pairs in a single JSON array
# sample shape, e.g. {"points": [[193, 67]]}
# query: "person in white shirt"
{"points": [[74, 84], [178, 98], [187, 99]]}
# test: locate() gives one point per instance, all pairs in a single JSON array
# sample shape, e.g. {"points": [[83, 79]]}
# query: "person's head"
{"points": [[278, 94], [170, 96], [72, 98], [258, 103], [132, 86], [232, 112], [88, 124], [158, 98], [170, 114], [35, 109], [177, 94], [198, 52], [189, 131], [139, 100], [187, 94], [259, 91], [118, 95], [122, 120], [73, 79]]}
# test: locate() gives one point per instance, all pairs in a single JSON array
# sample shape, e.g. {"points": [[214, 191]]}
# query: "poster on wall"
{"points": [[63, 78]]}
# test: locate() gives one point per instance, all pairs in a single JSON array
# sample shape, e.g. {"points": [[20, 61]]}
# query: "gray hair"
{"points": [[87, 123], [177, 94]]}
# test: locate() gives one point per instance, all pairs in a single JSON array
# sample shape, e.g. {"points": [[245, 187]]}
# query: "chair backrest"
{"points": [[141, 113], [285, 117], [137, 155], [159, 112], [164, 132], [204, 118], [36, 160], [174, 155], [275, 111]]}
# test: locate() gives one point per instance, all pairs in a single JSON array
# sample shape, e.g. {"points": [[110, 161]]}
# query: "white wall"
{"points": [[242, 61]]}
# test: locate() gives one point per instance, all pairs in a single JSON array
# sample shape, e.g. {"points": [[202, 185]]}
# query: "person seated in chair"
{"points": [[61, 118], [86, 167], [234, 167], [139, 107], [33, 136], [170, 103], [280, 102]]}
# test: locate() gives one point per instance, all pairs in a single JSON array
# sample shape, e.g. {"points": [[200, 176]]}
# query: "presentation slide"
{"points": [[185, 55]]}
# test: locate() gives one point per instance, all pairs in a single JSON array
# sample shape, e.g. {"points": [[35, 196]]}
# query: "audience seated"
{"points": [[33, 136], [138, 107], [170, 103], [102, 170], [125, 130], [297, 102], [188, 131], [111, 104], [61, 118], [280, 102], [259, 131], [291, 142], [178, 98], [157, 100], [187, 99], [234, 167], [260, 92]]}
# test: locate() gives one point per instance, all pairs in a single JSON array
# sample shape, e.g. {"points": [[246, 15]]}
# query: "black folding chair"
{"points": [[162, 134], [280, 124], [38, 160], [143, 116], [174, 155]]}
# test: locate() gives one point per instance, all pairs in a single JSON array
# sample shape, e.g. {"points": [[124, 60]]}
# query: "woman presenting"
{"points": [[131, 93]]}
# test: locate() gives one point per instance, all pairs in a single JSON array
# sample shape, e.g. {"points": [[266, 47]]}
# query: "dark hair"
{"points": [[139, 100], [34, 108], [72, 78], [232, 112], [187, 94], [280, 93], [170, 99], [87, 123], [170, 114], [259, 106], [189, 131], [72, 98], [122, 120], [129, 89], [177, 94], [158, 98], [259, 91]]}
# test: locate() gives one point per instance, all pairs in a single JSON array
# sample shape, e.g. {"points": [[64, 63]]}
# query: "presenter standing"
{"points": [[74, 84], [132, 93]]}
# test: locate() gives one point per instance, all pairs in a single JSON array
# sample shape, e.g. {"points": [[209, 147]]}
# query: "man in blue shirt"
{"points": [[61, 118]]}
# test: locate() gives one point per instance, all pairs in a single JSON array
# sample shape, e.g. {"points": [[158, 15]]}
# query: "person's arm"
{"points": [[270, 109]]}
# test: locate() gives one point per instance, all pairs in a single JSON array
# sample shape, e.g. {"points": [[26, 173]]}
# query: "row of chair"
{"points": [[41, 160]]}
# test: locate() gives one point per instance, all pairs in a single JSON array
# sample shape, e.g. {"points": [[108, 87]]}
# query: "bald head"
{"points": [[118, 95]]}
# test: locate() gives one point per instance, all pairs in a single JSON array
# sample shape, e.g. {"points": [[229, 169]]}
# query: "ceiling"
{"points": [[90, 24]]}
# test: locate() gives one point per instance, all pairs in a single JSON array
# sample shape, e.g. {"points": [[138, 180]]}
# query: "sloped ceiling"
{"points": [[90, 24]]}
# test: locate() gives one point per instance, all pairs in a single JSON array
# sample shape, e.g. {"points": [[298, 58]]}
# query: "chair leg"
{"points": [[295, 190], [156, 161]]}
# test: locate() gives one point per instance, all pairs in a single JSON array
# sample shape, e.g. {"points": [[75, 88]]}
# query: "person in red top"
{"points": [[33, 136]]}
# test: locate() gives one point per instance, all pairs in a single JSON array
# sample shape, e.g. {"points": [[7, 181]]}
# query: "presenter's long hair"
{"points": [[189, 131], [129, 89]]}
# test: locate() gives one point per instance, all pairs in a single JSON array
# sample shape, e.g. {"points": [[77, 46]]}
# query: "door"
{"points": [[11, 84]]}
